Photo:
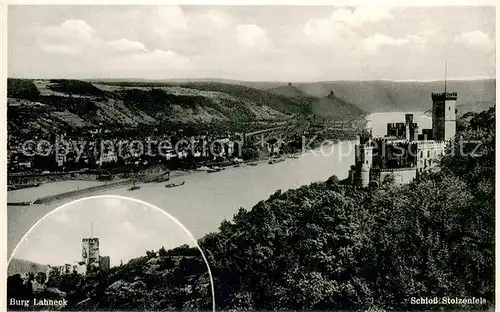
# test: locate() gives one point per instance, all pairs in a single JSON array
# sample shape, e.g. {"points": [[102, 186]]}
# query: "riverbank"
{"points": [[77, 193], [69, 194]]}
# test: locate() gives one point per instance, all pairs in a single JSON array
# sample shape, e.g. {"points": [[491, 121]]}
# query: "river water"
{"points": [[208, 198]]}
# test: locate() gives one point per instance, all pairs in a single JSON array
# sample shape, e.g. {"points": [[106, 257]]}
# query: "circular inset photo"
{"points": [[108, 253]]}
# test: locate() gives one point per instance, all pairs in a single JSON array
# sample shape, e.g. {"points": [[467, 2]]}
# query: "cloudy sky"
{"points": [[294, 43], [125, 228]]}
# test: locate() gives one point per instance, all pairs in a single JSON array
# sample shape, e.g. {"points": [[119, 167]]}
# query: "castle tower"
{"points": [[409, 127], [415, 132], [90, 251], [444, 115]]}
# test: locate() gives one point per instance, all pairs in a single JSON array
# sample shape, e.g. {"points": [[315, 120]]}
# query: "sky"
{"points": [[256, 43], [125, 228]]}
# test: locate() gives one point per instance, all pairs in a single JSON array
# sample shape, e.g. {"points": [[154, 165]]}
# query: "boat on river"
{"points": [[214, 169], [175, 184], [252, 164], [276, 160], [134, 187]]}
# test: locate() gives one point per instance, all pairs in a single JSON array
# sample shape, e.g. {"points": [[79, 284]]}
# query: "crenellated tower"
{"points": [[90, 250], [444, 115]]}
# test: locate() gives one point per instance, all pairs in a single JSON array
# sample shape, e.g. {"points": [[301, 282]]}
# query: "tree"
{"points": [[250, 153], [162, 252], [16, 287], [151, 254], [41, 277], [22, 89]]}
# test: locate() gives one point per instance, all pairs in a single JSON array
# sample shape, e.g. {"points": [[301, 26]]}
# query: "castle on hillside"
{"points": [[91, 260], [404, 153]]}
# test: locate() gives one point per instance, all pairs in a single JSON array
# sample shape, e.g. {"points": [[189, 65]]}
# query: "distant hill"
{"points": [[385, 96], [334, 108], [329, 107], [19, 266], [52, 105]]}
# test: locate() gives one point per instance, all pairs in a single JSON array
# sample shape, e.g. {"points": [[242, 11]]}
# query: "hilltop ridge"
{"points": [[48, 105], [20, 266], [386, 95], [289, 90]]}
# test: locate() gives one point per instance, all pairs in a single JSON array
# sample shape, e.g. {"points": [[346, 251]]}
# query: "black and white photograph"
{"points": [[100, 250], [251, 157]]}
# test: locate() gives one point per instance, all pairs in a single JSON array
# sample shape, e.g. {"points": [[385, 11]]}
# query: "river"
{"points": [[208, 198]]}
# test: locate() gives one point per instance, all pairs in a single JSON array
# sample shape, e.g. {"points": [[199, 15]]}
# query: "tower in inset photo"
{"points": [[90, 250]]}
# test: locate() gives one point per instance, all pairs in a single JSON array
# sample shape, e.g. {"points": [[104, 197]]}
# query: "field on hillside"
{"points": [[51, 105]]}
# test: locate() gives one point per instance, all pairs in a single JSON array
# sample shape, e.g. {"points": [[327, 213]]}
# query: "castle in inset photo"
{"points": [[88, 252], [91, 260]]}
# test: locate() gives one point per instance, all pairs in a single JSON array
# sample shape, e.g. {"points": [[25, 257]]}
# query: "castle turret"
{"points": [[365, 175], [414, 132], [367, 159], [444, 115]]}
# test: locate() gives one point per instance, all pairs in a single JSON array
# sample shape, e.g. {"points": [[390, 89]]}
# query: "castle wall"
{"points": [[104, 263], [429, 152], [449, 129], [397, 129], [80, 269]]}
